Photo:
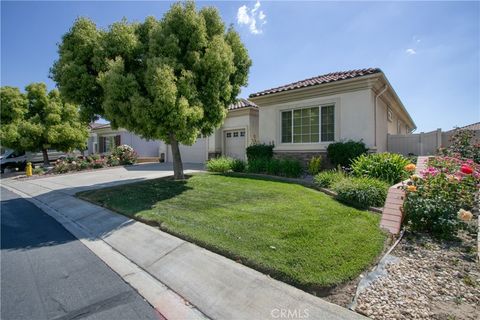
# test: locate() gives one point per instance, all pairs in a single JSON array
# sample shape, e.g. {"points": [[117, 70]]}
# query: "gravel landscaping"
{"points": [[430, 280]]}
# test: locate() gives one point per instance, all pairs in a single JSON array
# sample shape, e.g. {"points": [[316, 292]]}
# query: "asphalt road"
{"points": [[46, 273]]}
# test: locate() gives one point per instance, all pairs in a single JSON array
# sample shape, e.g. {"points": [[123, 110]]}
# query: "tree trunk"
{"points": [[46, 162], [177, 159]]}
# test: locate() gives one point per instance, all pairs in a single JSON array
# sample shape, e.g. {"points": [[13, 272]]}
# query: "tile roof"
{"points": [[95, 125], [473, 126], [242, 103], [326, 78]]}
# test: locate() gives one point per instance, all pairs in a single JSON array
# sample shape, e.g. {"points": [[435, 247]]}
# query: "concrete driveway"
{"points": [[92, 179]]}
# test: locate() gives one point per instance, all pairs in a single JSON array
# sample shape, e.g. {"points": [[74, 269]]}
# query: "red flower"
{"points": [[466, 169]]}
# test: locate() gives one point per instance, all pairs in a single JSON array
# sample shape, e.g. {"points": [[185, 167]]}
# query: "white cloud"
{"points": [[248, 17], [410, 51]]}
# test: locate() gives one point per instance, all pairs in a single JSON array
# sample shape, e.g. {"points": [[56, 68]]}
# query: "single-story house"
{"points": [[301, 119], [304, 117], [239, 128]]}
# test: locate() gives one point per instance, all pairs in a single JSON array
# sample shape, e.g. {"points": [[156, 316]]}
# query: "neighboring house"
{"points": [[238, 130], [304, 117], [301, 119]]}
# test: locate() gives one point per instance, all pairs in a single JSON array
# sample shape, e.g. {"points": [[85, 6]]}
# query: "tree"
{"points": [[170, 79], [38, 120]]}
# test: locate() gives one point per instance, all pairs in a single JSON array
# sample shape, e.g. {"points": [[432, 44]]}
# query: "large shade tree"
{"points": [[170, 79], [38, 120]]}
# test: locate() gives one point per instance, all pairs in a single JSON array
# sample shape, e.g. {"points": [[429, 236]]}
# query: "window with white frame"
{"points": [[308, 125]]}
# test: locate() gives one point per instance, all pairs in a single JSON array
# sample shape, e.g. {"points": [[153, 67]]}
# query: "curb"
{"points": [[164, 300]]}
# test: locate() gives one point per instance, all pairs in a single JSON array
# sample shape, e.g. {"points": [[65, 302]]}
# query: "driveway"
{"points": [[48, 274], [79, 181]]}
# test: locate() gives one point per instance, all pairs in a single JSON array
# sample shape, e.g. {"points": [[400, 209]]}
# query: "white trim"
{"points": [[308, 106]]}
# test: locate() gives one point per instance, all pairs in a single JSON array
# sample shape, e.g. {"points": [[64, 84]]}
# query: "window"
{"points": [[235, 134], [328, 128], [229, 134], [107, 143], [242, 133], [308, 125]]}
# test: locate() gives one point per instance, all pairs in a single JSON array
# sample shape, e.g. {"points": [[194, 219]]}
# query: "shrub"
{"points": [[125, 154], [238, 165], [257, 165], [221, 164], [277, 167], [260, 151], [361, 192], [389, 167], [464, 144], [343, 153], [38, 171], [326, 179], [291, 168], [314, 165], [434, 200], [274, 167]]}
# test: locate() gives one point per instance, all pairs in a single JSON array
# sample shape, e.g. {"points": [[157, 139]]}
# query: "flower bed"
{"points": [[441, 197], [121, 155]]}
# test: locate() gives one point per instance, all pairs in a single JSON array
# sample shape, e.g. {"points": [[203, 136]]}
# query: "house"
{"points": [[304, 117], [301, 119], [240, 127]]}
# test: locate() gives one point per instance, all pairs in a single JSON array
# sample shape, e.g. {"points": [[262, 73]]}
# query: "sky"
{"points": [[429, 51]]}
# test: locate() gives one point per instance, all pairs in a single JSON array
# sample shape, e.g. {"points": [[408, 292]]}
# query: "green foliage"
{"points": [[464, 144], [278, 167], [433, 201], [238, 165], [124, 154], [343, 153], [314, 165], [260, 151], [389, 167], [38, 120], [168, 79], [361, 192], [38, 171], [326, 179], [221, 164]]}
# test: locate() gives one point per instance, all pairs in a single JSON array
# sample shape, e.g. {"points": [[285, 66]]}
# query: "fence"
{"points": [[420, 144]]}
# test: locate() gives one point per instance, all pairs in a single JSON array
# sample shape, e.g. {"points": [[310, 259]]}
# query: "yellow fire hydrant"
{"points": [[28, 169]]}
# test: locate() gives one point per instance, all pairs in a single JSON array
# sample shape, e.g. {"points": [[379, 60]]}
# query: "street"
{"points": [[46, 273]]}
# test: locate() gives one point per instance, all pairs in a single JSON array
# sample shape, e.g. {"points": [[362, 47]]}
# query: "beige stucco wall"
{"points": [[237, 119], [353, 119]]}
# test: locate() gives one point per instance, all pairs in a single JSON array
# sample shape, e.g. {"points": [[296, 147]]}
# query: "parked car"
{"points": [[18, 159]]}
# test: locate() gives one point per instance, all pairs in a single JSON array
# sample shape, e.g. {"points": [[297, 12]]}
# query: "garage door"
{"points": [[196, 153], [235, 143]]}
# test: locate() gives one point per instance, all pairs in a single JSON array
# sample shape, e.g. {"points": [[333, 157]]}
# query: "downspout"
{"points": [[375, 114]]}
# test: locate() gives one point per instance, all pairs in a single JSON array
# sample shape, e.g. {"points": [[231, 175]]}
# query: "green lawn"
{"points": [[293, 233]]}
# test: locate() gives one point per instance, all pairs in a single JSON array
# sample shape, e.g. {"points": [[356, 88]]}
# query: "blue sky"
{"points": [[430, 51]]}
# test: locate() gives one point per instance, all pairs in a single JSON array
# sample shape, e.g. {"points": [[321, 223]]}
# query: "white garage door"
{"points": [[235, 143], [196, 153]]}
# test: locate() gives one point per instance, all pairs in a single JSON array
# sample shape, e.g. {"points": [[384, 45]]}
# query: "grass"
{"points": [[295, 234]]}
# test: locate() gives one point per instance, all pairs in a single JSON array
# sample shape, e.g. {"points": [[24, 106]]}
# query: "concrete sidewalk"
{"points": [[212, 285]]}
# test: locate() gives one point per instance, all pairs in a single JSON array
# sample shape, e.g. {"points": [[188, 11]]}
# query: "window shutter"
{"points": [[117, 140], [101, 144]]}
